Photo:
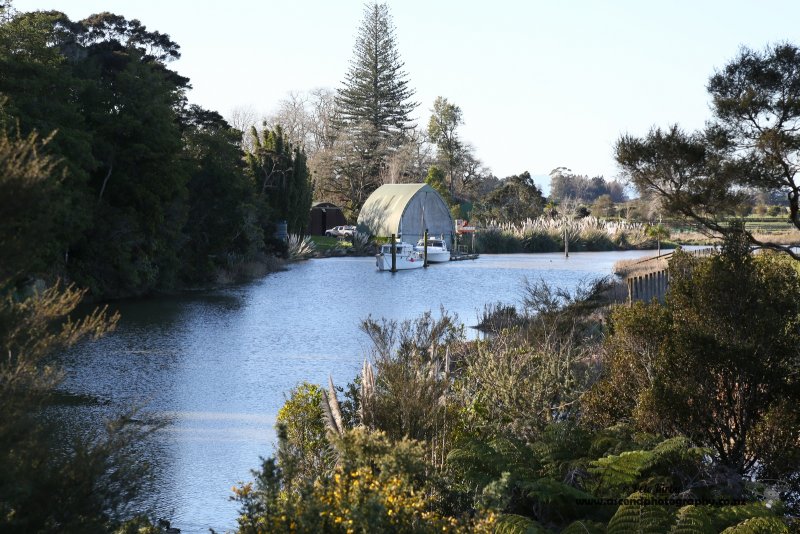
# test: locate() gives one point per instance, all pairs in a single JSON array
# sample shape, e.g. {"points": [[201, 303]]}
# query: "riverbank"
{"points": [[218, 363]]}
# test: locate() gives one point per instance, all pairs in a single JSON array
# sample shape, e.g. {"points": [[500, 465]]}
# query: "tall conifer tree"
{"points": [[376, 90], [373, 105]]}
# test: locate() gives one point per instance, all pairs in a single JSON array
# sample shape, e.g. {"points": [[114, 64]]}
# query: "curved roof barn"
{"points": [[406, 210]]}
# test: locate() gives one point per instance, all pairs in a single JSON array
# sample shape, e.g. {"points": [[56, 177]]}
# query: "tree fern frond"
{"points": [[640, 518], [758, 525], [518, 524], [692, 520], [585, 527], [727, 516]]}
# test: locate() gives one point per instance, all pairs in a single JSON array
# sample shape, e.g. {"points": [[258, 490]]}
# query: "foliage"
{"points": [[375, 90], [412, 361], [546, 234], [303, 452], [517, 199], [300, 248], [379, 486], [281, 177], [224, 215], [47, 483], [445, 119], [721, 382], [564, 185], [138, 181], [752, 142], [28, 236], [373, 109], [658, 232]]}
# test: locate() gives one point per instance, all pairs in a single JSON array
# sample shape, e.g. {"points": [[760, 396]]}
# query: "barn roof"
{"points": [[384, 208], [324, 205]]}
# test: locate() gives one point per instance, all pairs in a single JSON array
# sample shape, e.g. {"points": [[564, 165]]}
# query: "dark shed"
{"points": [[324, 215]]}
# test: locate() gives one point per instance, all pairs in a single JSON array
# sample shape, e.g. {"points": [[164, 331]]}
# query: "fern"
{"points": [[518, 524], [758, 525], [727, 516], [585, 527], [645, 469], [692, 520], [556, 496], [640, 518]]}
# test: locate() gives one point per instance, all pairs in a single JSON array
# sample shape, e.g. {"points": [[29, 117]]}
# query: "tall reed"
{"points": [[546, 234]]}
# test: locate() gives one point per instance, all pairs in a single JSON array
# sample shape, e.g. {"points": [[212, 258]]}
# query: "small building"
{"points": [[324, 215], [406, 210]]}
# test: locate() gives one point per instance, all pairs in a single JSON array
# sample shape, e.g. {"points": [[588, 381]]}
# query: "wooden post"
{"points": [[394, 254], [425, 249], [566, 243], [630, 291]]}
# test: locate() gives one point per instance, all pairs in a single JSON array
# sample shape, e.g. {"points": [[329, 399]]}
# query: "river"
{"points": [[219, 363]]}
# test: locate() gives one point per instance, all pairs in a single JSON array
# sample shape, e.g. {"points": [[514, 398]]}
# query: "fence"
{"points": [[653, 285]]}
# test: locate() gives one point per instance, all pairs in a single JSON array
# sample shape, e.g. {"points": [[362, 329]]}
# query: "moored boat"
{"points": [[405, 257], [437, 250]]}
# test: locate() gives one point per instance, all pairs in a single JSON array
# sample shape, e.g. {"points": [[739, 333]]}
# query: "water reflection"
{"points": [[218, 364]]}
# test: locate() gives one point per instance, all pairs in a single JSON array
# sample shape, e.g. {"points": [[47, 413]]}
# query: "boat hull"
{"points": [[440, 256], [403, 263]]}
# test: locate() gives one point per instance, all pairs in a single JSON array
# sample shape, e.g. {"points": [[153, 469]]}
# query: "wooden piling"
{"points": [[394, 254], [425, 249]]}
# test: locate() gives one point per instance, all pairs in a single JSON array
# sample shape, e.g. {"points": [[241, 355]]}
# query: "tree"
{"points": [[281, 177], [517, 199], [658, 232], [717, 364], [566, 185], [373, 106], [445, 119], [303, 455], [28, 236], [350, 171], [753, 140], [47, 482], [375, 89], [223, 209]]}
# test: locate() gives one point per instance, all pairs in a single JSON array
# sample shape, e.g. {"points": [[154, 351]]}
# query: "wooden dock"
{"points": [[459, 257]]}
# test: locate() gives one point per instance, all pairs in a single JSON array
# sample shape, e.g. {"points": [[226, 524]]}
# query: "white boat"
{"points": [[405, 257], [437, 250]]}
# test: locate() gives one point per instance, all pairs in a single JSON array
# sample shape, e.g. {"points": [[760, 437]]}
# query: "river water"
{"points": [[219, 363]]}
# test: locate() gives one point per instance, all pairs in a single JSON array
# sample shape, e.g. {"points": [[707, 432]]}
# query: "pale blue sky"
{"points": [[541, 84]]}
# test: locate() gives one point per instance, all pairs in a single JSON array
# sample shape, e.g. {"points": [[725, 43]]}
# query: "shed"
{"points": [[406, 210], [324, 215]]}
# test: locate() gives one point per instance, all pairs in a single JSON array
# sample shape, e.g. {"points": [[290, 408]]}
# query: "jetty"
{"points": [[460, 257]]}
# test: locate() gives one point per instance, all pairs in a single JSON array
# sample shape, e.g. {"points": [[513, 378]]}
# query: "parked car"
{"points": [[340, 231]]}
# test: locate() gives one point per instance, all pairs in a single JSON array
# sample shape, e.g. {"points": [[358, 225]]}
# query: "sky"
{"points": [[541, 83]]}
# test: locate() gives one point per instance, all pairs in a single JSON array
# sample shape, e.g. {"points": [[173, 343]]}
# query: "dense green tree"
{"points": [[49, 482], [442, 126], [281, 177], [373, 108], [150, 192], [718, 363], [38, 94], [517, 199], [752, 141], [375, 90], [28, 234], [224, 212], [565, 185]]}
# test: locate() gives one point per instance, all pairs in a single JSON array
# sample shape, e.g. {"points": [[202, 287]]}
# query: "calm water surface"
{"points": [[219, 363]]}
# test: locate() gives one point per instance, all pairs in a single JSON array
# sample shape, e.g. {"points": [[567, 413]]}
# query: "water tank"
{"points": [[281, 231]]}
